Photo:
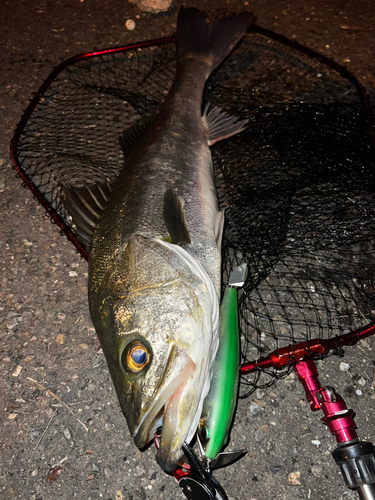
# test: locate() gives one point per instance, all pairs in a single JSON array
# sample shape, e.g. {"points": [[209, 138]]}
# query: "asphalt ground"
{"points": [[46, 332]]}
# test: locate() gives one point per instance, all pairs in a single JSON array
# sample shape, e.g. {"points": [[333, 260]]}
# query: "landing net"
{"points": [[297, 184]]}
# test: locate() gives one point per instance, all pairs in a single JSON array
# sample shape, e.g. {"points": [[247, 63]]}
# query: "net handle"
{"points": [[292, 354]]}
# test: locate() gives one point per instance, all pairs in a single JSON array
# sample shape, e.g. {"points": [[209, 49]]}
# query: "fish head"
{"points": [[153, 316]]}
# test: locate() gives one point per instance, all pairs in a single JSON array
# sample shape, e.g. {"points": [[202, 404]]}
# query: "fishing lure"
{"points": [[220, 403]]}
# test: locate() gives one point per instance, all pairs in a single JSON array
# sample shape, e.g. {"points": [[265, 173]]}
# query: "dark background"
{"points": [[45, 325]]}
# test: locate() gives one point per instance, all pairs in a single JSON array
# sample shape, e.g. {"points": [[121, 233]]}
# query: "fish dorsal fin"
{"points": [[175, 219], [85, 205], [220, 125], [137, 134]]}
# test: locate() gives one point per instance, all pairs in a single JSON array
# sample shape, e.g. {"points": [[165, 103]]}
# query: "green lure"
{"points": [[220, 403]]}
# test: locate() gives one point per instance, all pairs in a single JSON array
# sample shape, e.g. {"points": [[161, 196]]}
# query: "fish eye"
{"points": [[135, 357]]}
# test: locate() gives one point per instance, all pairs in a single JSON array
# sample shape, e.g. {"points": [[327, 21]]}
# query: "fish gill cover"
{"points": [[297, 184]]}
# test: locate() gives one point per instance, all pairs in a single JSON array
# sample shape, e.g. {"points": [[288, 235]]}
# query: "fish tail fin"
{"points": [[198, 36]]}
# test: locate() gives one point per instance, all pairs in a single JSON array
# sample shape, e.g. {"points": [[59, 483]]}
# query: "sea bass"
{"points": [[154, 265]]}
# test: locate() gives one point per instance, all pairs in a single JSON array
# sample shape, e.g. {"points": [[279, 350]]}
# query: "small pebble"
{"points": [[107, 472], [294, 451], [139, 471], [130, 24], [12, 323], [259, 436], [11, 314], [60, 338], [274, 469], [359, 392], [254, 409], [34, 434], [67, 433], [34, 472], [317, 471], [259, 394], [362, 382], [290, 379], [153, 6], [345, 367], [17, 371], [316, 442], [293, 478]]}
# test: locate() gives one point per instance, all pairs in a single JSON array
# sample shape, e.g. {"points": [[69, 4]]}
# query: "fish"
{"points": [[155, 247]]}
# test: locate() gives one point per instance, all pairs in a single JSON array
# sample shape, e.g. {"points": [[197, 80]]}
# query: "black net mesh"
{"points": [[297, 184]]}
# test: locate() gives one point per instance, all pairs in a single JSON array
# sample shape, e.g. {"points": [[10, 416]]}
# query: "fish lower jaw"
{"points": [[155, 416], [142, 440], [170, 446], [176, 429], [170, 451]]}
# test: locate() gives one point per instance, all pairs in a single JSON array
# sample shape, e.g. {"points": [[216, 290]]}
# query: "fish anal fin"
{"points": [[85, 205], [136, 134], [175, 219], [221, 125]]}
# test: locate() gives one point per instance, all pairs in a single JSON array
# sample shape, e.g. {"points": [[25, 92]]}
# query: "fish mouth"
{"points": [[171, 441], [165, 412]]}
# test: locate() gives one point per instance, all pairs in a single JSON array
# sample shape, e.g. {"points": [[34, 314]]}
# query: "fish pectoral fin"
{"points": [[175, 219], [219, 227], [220, 125], [85, 205], [135, 135]]}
